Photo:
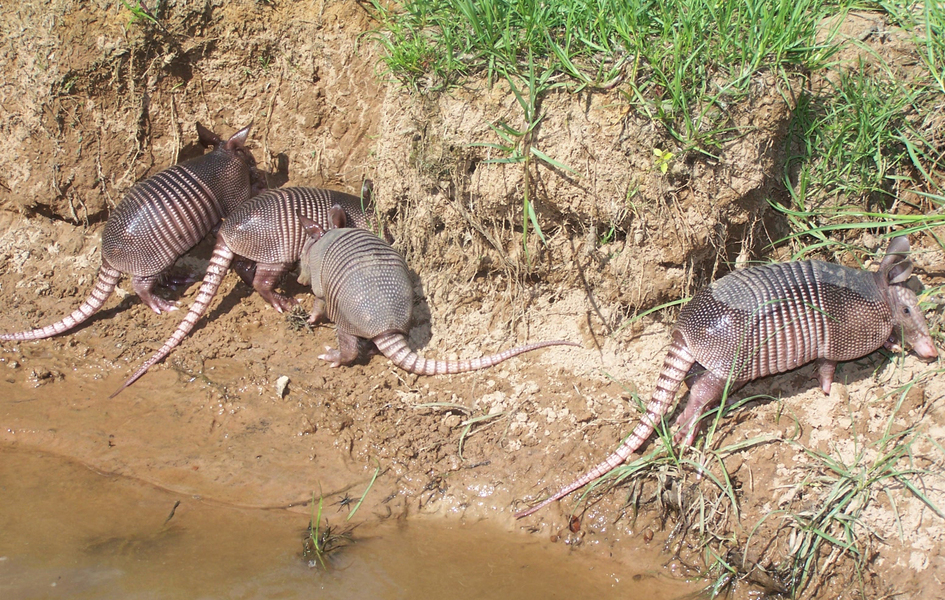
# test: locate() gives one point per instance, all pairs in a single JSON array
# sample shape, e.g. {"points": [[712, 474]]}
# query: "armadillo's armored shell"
{"points": [[267, 229], [364, 281], [164, 216], [780, 316]]}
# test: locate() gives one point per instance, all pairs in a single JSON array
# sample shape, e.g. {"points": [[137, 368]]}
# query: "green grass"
{"points": [[683, 62], [824, 522], [849, 140], [516, 144], [926, 22], [865, 138]]}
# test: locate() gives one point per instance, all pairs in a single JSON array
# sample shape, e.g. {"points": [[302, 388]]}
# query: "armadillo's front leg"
{"points": [[825, 370], [144, 287], [268, 275], [346, 353], [893, 344], [319, 312], [705, 391]]}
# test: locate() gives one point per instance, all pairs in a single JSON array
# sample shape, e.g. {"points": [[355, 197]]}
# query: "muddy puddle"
{"points": [[69, 532]]}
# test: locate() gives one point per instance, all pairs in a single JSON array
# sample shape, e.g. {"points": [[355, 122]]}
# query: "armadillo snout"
{"points": [[910, 322]]}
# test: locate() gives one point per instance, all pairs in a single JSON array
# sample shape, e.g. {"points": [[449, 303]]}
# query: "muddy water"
{"points": [[69, 532]]}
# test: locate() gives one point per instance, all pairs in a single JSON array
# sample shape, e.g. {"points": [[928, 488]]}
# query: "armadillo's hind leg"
{"points": [[268, 276], [246, 269], [175, 278], [346, 353], [705, 391], [694, 372], [825, 370], [144, 287]]}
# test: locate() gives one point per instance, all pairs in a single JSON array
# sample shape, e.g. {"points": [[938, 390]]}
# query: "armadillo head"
{"points": [[909, 324], [311, 259], [235, 147]]}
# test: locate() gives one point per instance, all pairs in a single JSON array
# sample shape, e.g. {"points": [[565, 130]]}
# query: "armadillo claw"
{"points": [[279, 302], [825, 372], [331, 356], [159, 305]]}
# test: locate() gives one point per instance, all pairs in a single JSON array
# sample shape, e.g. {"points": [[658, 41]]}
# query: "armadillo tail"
{"points": [[219, 263], [394, 346], [675, 367], [104, 286]]}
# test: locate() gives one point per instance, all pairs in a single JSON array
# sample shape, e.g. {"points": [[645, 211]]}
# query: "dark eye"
{"points": [[906, 311]]}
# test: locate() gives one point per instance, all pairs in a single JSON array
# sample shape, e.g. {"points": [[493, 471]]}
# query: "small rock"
{"points": [[281, 384]]}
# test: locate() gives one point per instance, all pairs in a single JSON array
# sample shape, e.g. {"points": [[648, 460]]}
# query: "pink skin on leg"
{"points": [[267, 276], [144, 287], [319, 314], [825, 371], [347, 351], [705, 391]]}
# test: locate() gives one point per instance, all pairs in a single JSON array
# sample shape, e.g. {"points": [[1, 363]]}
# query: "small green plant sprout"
{"points": [[139, 13], [662, 159], [468, 425], [357, 505], [608, 236], [264, 62]]}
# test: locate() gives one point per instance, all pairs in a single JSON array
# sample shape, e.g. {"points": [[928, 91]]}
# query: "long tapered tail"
{"points": [[675, 367], [104, 286], [394, 346], [219, 263]]}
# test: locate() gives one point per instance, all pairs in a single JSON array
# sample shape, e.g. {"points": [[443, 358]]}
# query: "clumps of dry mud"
{"points": [[91, 104]]}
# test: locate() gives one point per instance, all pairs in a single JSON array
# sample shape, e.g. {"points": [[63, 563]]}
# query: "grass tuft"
{"points": [[322, 541], [826, 523]]}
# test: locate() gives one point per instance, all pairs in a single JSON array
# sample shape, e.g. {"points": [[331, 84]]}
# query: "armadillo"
{"points": [[266, 233], [160, 219], [363, 285], [771, 319]]}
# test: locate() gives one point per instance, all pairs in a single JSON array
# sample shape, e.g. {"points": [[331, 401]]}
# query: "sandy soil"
{"points": [[91, 103]]}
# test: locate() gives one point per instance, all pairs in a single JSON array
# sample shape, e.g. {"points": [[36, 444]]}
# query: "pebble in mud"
{"points": [[41, 376]]}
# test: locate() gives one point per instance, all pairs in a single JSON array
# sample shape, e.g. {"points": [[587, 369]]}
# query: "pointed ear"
{"points": [[898, 250], [367, 193], [238, 139], [337, 217], [899, 272], [896, 265], [312, 228], [207, 138]]}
